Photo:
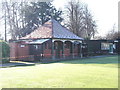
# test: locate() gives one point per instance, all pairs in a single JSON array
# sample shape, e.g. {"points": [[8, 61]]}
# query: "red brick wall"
{"points": [[61, 53], [47, 53], [76, 51], [23, 52], [67, 52], [17, 52], [13, 51]]}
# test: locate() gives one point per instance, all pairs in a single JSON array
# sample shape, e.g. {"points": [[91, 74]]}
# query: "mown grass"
{"points": [[84, 73]]}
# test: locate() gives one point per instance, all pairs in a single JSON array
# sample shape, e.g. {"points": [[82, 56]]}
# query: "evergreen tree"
{"points": [[36, 14]]}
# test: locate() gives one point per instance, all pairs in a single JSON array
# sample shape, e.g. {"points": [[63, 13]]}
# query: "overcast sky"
{"points": [[105, 12]]}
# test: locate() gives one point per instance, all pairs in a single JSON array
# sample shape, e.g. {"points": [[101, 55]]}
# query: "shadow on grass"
{"points": [[92, 60], [100, 60], [7, 65]]}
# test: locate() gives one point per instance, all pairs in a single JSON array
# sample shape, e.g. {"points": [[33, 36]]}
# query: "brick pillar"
{"points": [[53, 56], [81, 50], [63, 50], [73, 50]]}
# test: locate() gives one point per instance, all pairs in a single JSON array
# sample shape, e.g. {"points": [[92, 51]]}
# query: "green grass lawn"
{"points": [[84, 73]]}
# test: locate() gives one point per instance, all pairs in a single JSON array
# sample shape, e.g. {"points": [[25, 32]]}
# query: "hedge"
{"points": [[4, 47]]}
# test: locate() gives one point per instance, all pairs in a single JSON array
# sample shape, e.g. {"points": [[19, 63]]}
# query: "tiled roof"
{"points": [[51, 29]]}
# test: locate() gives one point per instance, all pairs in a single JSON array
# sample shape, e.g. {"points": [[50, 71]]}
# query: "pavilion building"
{"points": [[49, 42]]}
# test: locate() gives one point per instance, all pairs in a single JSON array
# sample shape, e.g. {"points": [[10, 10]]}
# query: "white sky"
{"points": [[105, 12]]}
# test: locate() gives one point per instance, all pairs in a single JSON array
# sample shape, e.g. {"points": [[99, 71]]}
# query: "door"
{"points": [[36, 50], [111, 48]]}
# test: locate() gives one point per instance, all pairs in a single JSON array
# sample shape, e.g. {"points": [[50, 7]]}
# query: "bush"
{"points": [[5, 52]]}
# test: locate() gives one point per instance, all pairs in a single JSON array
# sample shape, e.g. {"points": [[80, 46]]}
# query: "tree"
{"points": [[21, 18], [36, 14], [80, 21], [89, 25], [8, 16], [5, 19], [113, 34], [99, 38], [11, 17], [75, 15]]}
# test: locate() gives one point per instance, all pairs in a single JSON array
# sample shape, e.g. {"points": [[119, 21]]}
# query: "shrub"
{"points": [[4, 47]]}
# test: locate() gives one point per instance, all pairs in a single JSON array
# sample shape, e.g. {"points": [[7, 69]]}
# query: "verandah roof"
{"points": [[40, 41], [52, 29]]}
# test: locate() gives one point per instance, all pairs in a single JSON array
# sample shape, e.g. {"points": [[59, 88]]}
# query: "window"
{"points": [[105, 46], [22, 45], [36, 46]]}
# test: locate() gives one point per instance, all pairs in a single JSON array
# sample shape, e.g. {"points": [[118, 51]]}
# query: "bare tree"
{"points": [[80, 21], [13, 17], [89, 25], [113, 34], [99, 38], [75, 15], [5, 19], [23, 17], [9, 16]]}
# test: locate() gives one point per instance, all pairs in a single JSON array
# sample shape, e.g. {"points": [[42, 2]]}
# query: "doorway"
{"points": [[36, 51]]}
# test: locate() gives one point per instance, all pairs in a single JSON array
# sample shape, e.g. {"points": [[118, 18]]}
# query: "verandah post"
{"points": [[63, 50], [53, 56], [73, 50], [81, 50]]}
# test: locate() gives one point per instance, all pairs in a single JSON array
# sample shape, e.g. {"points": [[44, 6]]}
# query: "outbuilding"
{"points": [[101, 47]]}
